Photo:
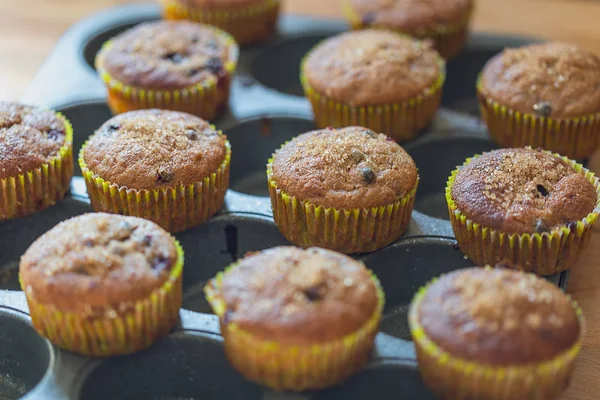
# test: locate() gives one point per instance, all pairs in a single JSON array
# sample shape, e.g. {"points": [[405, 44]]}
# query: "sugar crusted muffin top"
{"points": [[92, 263], [150, 149], [556, 80], [372, 67], [168, 55], [412, 15], [298, 296], [498, 317], [29, 138], [344, 168], [522, 191]]}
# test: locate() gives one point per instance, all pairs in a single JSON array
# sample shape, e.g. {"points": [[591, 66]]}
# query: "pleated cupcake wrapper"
{"points": [[295, 367], [576, 138], [35, 190], [449, 39], [458, 379], [354, 230], [245, 24], [401, 121], [115, 332], [544, 253], [205, 99], [175, 208]]}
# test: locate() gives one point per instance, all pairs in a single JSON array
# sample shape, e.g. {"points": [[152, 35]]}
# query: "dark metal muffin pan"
{"points": [[266, 109]]}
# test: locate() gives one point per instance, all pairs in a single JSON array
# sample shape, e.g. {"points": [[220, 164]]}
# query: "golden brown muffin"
{"points": [[103, 269], [185, 59], [498, 331], [522, 191], [30, 138], [344, 168], [445, 21], [156, 151], [297, 319]]}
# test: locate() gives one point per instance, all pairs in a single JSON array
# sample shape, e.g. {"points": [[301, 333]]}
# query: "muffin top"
{"points": [[522, 191], [298, 296], [372, 67], [168, 55], [412, 15], [498, 316], [555, 80], [220, 4], [29, 138], [95, 262], [344, 168], [150, 149]]}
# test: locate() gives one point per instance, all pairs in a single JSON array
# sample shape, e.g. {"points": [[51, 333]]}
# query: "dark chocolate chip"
{"points": [[88, 243], [542, 109], [368, 175], [357, 155], [215, 65], [540, 226], [370, 134], [368, 18], [175, 58], [191, 134], [160, 263], [193, 71], [147, 241], [312, 293], [455, 246], [163, 176], [542, 190], [212, 45], [81, 270], [53, 134], [110, 128], [266, 126]]}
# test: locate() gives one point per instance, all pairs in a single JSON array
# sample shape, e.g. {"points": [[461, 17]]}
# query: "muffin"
{"points": [[248, 21], [165, 166], [36, 162], [350, 190], [495, 334], [531, 207], [543, 95], [180, 66], [103, 285], [446, 22], [380, 80], [296, 319]]}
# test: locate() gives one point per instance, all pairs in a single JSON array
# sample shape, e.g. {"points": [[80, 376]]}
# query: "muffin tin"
{"points": [[266, 109]]}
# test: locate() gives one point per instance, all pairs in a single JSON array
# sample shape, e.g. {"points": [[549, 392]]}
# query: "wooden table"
{"points": [[29, 29]]}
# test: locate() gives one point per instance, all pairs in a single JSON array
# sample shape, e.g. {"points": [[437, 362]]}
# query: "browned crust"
{"points": [[498, 317], [372, 67], [522, 191], [344, 168], [96, 262], [29, 138], [290, 295], [150, 149], [556, 80], [167, 55]]}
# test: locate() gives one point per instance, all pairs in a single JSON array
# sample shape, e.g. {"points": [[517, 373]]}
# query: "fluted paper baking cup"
{"points": [[576, 138], [401, 121], [113, 331], [295, 367], [249, 24], [348, 231], [174, 208], [35, 190], [455, 378], [206, 99], [449, 39], [546, 253]]}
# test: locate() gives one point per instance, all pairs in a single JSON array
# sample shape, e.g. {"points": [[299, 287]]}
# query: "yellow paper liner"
{"points": [[174, 208], [35, 190], [205, 99], [295, 367], [401, 121], [246, 24], [449, 39], [115, 332], [455, 378], [576, 138], [348, 231], [544, 253]]}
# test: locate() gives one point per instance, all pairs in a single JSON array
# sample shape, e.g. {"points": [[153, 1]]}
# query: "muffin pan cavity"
{"points": [[25, 357], [266, 109]]}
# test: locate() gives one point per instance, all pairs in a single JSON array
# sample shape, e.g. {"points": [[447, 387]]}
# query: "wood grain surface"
{"points": [[30, 28]]}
